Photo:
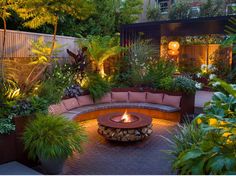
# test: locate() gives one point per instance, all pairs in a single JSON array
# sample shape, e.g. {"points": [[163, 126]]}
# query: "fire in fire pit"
{"points": [[125, 118], [125, 127]]}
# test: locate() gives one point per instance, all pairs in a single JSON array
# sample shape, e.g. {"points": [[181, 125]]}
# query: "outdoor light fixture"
{"points": [[173, 48], [173, 52], [173, 45]]}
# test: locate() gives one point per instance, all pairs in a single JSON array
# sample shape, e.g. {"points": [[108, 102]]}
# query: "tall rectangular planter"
{"points": [[7, 148], [21, 154], [12, 146]]}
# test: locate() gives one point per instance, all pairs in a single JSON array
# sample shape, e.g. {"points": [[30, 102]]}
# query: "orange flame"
{"points": [[126, 117]]}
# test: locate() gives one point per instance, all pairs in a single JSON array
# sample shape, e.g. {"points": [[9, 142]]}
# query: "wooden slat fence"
{"points": [[18, 43]]}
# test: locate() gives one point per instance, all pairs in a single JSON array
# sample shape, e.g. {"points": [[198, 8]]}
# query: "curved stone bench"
{"points": [[153, 110]]}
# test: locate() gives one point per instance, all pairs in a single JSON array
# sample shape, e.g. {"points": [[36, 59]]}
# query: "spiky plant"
{"points": [[53, 136], [26, 73]]}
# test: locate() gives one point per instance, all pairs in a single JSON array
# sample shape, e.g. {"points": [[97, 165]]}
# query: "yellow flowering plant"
{"points": [[215, 153]]}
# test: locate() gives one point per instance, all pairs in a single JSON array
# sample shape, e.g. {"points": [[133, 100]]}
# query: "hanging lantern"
{"points": [[173, 52], [173, 45]]}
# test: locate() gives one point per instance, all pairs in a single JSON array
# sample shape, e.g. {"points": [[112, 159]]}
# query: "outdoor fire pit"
{"points": [[125, 127]]}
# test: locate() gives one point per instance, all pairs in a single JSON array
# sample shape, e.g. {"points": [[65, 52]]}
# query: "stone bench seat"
{"points": [[155, 105], [71, 114]]}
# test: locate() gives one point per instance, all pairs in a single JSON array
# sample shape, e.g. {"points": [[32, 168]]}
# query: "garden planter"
{"points": [[52, 166], [131, 89], [7, 148], [21, 154], [187, 106]]}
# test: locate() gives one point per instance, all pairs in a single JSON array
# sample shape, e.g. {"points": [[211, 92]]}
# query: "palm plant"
{"points": [[99, 49]]}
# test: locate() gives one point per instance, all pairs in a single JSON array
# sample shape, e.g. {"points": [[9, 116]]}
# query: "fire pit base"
{"points": [[125, 135], [113, 128]]}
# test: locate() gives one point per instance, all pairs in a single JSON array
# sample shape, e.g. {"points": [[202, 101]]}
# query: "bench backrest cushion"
{"points": [[137, 97], [57, 109], [85, 100], [172, 100], [105, 99], [154, 98], [120, 96], [70, 103]]}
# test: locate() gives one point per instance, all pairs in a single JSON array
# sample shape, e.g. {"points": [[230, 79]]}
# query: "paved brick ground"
{"points": [[112, 158]]}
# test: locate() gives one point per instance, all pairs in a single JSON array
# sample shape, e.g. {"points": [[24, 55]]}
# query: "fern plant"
{"points": [[51, 137]]}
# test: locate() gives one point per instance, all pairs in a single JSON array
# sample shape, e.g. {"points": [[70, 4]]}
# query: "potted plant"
{"points": [[52, 138]]}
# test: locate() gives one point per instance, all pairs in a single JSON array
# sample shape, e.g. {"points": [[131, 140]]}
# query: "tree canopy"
{"points": [[106, 19]]}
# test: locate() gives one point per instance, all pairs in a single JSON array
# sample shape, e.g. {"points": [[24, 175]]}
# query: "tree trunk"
{"points": [[54, 37], [3, 45], [101, 70]]}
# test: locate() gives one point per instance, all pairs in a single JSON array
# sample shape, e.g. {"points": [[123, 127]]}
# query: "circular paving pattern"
{"points": [[104, 157]]}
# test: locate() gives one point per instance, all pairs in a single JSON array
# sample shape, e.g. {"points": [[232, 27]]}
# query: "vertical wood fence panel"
{"points": [[18, 43]]}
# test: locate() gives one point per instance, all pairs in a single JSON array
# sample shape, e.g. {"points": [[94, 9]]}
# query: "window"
{"points": [[230, 9], [194, 12], [163, 4]]}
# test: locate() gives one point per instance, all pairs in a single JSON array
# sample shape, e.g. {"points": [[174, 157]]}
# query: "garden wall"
{"points": [[18, 43]]}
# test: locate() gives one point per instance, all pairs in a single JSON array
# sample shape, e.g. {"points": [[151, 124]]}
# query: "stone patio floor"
{"points": [[112, 158]]}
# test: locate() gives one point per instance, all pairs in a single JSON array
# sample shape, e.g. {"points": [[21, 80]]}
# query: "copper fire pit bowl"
{"points": [[113, 127]]}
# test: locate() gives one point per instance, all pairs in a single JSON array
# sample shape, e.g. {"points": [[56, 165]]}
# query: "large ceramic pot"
{"points": [[52, 166]]}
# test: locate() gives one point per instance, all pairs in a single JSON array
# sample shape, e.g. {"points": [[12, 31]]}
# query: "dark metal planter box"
{"points": [[21, 154], [7, 148], [12, 147]]}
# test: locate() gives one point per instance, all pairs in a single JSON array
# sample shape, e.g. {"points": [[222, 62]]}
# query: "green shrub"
{"points": [[140, 56], [51, 137], [183, 138], [39, 105], [214, 152], [22, 108], [184, 84], [179, 10], [97, 86], [6, 126], [51, 91], [53, 87], [167, 83], [158, 71], [121, 76], [153, 14], [29, 106], [212, 8]]}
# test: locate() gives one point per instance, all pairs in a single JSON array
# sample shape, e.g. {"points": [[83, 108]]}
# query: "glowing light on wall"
{"points": [[173, 52], [173, 45]]}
